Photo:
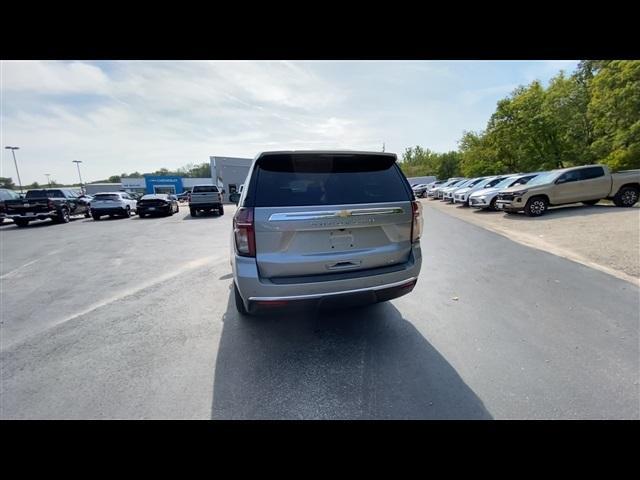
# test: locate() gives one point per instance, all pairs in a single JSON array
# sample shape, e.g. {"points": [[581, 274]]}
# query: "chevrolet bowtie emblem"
{"points": [[344, 213]]}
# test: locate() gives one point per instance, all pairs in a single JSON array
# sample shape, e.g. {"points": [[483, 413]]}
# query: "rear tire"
{"points": [[63, 216], [193, 212], [142, 215], [96, 217], [626, 197], [591, 202], [221, 210], [239, 302], [536, 206], [127, 212], [21, 223]]}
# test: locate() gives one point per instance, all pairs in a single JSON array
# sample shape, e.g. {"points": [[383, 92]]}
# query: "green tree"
{"points": [[614, 109], [7, 182]]}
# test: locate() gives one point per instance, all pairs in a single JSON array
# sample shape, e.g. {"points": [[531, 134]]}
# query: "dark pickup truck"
{"points": [[58, 204]]}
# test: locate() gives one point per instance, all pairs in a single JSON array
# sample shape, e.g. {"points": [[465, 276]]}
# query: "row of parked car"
{"points": [[60, 204], [533, 193]]}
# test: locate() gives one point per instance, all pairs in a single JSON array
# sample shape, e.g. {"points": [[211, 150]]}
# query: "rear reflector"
{"points": [[272, 303]]}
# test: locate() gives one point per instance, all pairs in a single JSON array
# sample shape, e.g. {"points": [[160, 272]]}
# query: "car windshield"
{"points": [[505, 182], [544, 178], [493, 182], [475, 182]]}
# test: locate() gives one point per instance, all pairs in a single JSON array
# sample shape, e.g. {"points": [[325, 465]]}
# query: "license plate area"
{"points": [[341, 240]]}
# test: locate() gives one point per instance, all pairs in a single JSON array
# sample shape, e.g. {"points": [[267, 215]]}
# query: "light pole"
{"points": [[48, 175], [78, 162], [13, 152]]}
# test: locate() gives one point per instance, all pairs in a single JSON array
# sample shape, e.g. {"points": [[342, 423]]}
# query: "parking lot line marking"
{"points": [[9, 274]]}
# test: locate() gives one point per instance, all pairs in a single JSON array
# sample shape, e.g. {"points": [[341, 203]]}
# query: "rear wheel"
{"points": [[21, 223], [193, 212], [239, 302], [591, 202], [142, 215], [221, 210], [170, 212], [626, 197], [63, 216], [127, 212], [536, 206], [96, 217]]}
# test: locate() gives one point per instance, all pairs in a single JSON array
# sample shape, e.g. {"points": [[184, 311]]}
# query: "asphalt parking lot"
{"points": [[134, 318]]}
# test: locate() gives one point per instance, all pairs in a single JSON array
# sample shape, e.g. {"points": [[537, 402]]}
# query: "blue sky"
{"points": [[143, 115]]}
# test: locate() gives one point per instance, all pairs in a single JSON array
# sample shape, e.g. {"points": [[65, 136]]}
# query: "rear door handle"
{"points": [[344, 265]]}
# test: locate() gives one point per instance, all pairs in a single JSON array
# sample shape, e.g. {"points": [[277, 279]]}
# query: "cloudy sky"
{"points": [[137, 115]]}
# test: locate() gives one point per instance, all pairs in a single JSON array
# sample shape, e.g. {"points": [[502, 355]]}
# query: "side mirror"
{"points": [[561, 180]]}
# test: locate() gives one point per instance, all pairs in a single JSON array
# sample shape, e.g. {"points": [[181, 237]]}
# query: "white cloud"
{"points": [[144, 115], [52, 77]]}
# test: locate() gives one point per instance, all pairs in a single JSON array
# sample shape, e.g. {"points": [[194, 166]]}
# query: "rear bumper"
{"points": [[108, 211], [262, 294], [198, 206], [148, 211], [350, 298], [35, 216]]}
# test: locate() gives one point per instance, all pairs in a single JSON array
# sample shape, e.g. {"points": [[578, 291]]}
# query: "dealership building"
{"points": [[228, 173], [161, 184]]}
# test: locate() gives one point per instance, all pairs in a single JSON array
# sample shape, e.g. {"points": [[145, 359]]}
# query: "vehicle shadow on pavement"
{"points": [[574, 210], [42, 223], [202, 216], [360, 363]]}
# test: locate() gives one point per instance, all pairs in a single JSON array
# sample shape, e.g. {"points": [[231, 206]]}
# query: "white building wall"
{"points": [[188, 183], [229, 171]]}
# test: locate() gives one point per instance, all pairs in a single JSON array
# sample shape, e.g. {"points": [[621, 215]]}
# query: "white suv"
{"points": [[114, 204]]}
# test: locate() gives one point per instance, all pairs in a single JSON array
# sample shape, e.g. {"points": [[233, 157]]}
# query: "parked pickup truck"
{"points": [[6, 194], [58, 204], [587, 184], [205, 198]]}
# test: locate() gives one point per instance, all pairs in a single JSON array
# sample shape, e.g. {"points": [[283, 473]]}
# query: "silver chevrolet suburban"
{"points": [[322, 229]]}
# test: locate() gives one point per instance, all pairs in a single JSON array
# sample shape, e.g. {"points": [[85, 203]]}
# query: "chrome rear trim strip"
{"points": [[353, 212]]}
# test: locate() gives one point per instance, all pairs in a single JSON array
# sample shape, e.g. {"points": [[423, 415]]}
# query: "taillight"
{"points": [[416, 226], [244, 232]]}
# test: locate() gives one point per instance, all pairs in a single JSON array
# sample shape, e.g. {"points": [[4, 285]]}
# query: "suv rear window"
{"points": [[205, 189], [44, 193], [304, 180], [113, 196]]}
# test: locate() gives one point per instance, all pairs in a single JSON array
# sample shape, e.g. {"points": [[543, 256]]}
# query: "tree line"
{"points": [[191, 170], [590, 116]]}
